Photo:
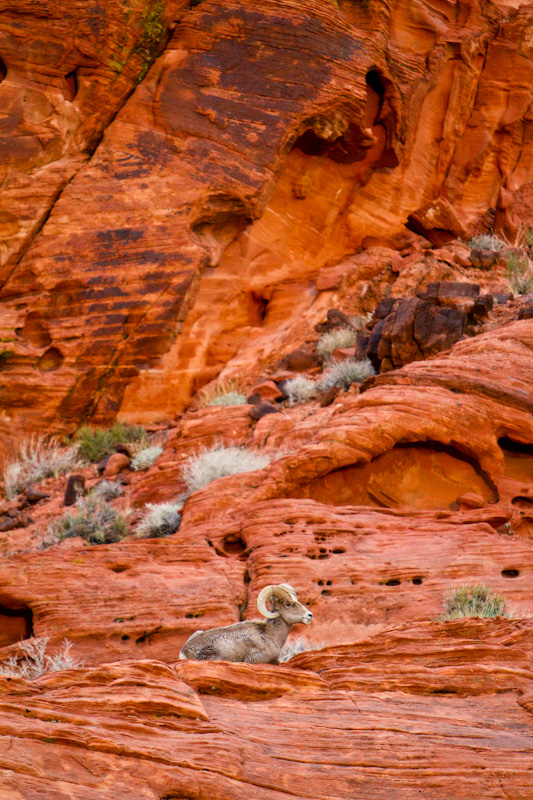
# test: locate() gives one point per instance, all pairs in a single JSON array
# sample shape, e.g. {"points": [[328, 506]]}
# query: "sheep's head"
{"points": [[284, 603]]}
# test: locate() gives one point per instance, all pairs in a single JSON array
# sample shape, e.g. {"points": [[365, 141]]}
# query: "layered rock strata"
{"points": [[385, 122]]}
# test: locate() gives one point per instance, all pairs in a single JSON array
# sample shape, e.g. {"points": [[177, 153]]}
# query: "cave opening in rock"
{"points": [[233, 545], [257, 309], [518, 458], [221, 221], [16, 624], [420, 475], [3, 70], [71, 85]]}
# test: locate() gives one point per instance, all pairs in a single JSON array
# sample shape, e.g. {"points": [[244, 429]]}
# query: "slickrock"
{"points": [[193, 193], [137, 729], [229, 208]]}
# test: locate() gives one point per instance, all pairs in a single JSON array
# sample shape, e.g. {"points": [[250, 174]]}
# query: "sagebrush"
{"points": [[486, 241], [160, 519], [94, 444], [328, 342], [344, 373], [477, 600], [146, 458], [39, 457], [36, 661], [109, 490], [229, 399], [92, 519], [220, 461], [226, 393], [299, 389]]}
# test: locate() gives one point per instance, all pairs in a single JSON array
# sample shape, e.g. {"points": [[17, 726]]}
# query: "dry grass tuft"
{"points": [[161, 519], [220, 461], [225, 393], [328, 342], [38, 458], [344, 373], [477, 600], [36, 662], [299, 389], [146, 458]]}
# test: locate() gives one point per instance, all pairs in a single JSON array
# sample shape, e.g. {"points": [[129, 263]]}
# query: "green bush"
{"points": [[94, 444], [477, 600], [92, 519], [519, 273]]}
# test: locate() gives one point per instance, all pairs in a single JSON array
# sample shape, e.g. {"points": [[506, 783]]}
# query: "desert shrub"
{"points": [[299, 389], [519, 273], [486, 241], [95, 444], [360, 320], [109, 490], [220, 461], [229, 399], [226, 393], [35, 660], [161, 519], [328, 342], [344, 373], [477, 600], [529, 237], [38, 458], [296, 646], [92, 519], [145, 458]]}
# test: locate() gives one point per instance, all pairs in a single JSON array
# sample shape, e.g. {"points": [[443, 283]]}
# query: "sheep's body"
{"points": [[243, 641], [251, 642]]}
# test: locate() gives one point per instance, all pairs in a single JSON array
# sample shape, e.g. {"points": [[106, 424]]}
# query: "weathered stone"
{"points": [[263, 408], [9, 523], [329, 396], [267, 390], [75, 488], [300, 360], [116, 463], [483, 259], [124, 449], [34, 495], [344, 353]]}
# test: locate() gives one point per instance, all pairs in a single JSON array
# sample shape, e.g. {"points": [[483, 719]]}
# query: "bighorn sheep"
{"points": [[253, 642]]}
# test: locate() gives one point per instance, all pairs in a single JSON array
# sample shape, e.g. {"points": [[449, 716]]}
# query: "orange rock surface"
{"points": [[222, 210], [188, 190]]}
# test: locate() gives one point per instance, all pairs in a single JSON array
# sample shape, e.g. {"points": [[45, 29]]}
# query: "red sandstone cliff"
{"points": [[187, 190]]}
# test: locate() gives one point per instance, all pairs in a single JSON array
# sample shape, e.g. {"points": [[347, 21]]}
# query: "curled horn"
{"points": [[265, 594], [289, 589]]}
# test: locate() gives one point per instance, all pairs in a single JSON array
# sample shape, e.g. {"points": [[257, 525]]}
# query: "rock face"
{"points": [[196, 192], [227, 207], [380, 723]]}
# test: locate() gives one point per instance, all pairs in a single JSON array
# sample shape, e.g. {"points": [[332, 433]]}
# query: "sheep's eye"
{"points": [[287, 604]]}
